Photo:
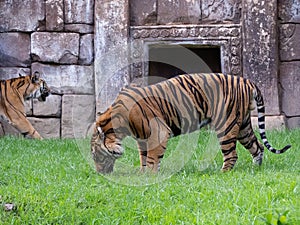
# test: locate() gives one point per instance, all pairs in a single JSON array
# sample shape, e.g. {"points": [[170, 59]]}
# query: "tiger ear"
{"points": [[35, 77]]}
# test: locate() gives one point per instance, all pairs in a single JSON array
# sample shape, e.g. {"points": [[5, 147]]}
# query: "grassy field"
{"points": [[54, 182]]}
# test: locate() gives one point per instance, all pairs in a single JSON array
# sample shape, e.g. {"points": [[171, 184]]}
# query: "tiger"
{"points": [[13, 93], [180, 105]]}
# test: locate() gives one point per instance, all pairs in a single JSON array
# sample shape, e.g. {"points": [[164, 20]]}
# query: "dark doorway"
{"points": [[166, 61]]}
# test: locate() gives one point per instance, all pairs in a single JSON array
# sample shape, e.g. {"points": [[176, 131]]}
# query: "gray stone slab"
{"points": [[111, 50], [47, 127], [55, 47], [289, 42], [293, 122], [289, 11], [290, 88], [86, 49], [12, 72], [78, 115], [50, 108], [79, 11], [179, 12], [67, 79], [54, 15], [79, 28], [14, 49], [143, 12], [260, 57], [220, 11], [21, 15]]}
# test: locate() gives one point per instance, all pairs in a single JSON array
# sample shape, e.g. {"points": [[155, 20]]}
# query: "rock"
{"points": [[143, 12], [293, 122], [50, 108], [67, 79], [86, 53], [14, 50], [21, 15], [221, 11], [290, 85], [178, 12], [79, 11], [54, 15], [289, 11], [272, 122], [289, 42], [260, 55], [47, 127], [54, 47], [79, 28], [12, 72], [78, 114]]}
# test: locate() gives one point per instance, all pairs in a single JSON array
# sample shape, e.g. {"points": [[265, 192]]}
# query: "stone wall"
{"points": [[289, 31], [87, 50], [54, 37]]}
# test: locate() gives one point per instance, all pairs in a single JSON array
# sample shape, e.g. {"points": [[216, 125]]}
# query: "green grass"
{"points": [[54, 182]]}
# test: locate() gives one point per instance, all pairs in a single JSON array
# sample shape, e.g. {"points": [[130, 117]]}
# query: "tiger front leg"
{"points": [[156, 145], [26, 129], [143, 155]]}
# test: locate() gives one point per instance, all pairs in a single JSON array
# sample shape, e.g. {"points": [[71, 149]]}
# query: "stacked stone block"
{"points": [[57, 41], [289, 27]]}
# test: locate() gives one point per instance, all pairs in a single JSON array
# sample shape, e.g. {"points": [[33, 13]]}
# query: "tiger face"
{"points": [[37, 88], [105, 146]]}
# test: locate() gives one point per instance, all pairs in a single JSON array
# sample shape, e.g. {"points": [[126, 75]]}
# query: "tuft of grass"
{"points": [[54, 182]]}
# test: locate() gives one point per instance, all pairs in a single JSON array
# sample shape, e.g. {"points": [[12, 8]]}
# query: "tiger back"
{"points": [[180, 105], [13, 93]]}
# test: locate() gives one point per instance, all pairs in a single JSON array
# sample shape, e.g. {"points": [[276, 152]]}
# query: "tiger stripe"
{"points": [[181, 105]]}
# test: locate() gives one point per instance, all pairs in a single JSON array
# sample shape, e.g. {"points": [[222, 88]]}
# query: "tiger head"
{"points": [[105, 145], [36, 88]]}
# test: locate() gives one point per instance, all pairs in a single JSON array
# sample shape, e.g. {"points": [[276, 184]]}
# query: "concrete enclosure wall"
{"points": [[87, 50]]}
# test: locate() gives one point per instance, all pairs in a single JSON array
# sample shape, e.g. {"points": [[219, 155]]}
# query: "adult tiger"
{"points": [[13, 93], [181, 105]]}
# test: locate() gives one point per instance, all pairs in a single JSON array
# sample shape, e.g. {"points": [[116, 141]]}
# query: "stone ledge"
{"points": [[272, 122]]}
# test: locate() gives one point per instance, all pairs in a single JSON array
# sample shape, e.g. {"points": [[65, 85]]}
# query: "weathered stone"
{"points": [[67, 79], [289, 11], [143, 12], [260, 49], [86, 49], [79, 28], [11, 72], [79, 11], [7, 129], [290, 84], [54, 15], [220, 11], [293, 123], [20, 15], [60, 48], [28, 107], [272, 122], [14, 49], [47, 127], [51, 107], [78, 114], [178, 12], [111, 50], [289, 42]]}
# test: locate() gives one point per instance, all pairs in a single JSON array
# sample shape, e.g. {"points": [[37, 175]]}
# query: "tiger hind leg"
{"points": [[248, 139]]}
